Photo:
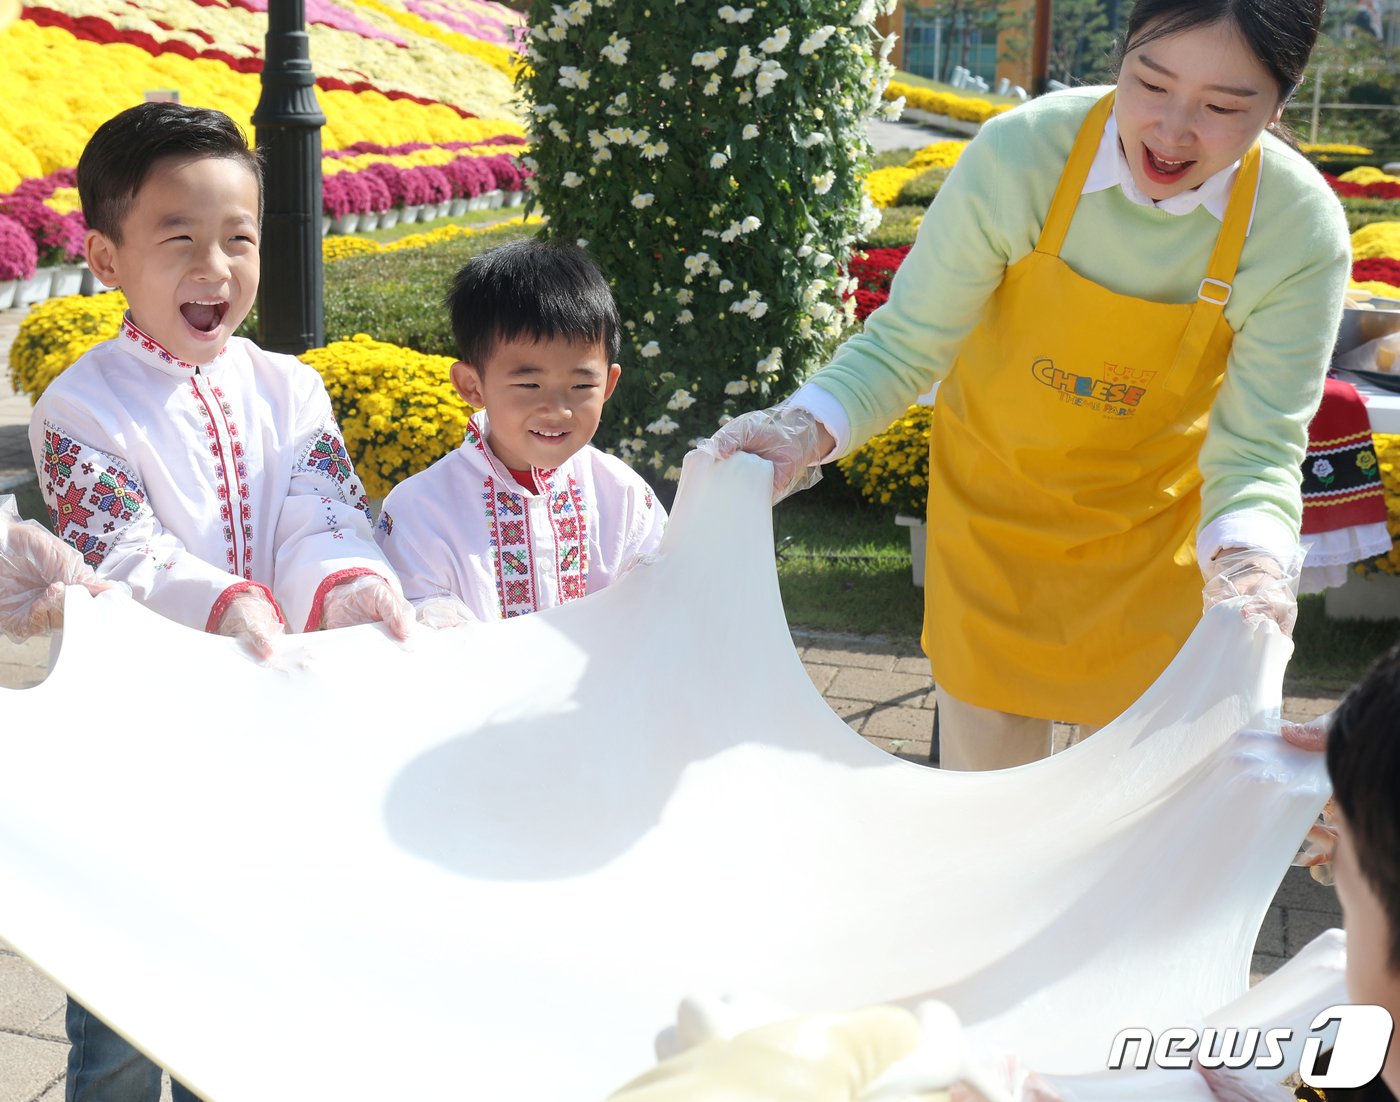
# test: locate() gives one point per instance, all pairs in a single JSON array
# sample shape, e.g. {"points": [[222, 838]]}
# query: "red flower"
{"points": [[1382, 269]]}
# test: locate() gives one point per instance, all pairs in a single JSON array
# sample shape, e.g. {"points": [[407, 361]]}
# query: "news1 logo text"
{"points": [[1357, 1052]]}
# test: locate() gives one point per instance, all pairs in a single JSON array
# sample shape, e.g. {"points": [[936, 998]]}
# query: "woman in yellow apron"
{"points": [[1129, 295]]}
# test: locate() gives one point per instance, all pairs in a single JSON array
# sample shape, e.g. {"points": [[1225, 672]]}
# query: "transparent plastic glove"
{"points": [[367, 599], [791, 439], [253, 620], [820, 1058], [35, 567], [442, 612], [1315, 854], [1271, 586]]}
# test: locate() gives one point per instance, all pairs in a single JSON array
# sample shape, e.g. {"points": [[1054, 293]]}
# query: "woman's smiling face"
{"points": [[1190, 104]]}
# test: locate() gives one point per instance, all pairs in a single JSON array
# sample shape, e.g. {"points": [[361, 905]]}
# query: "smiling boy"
{"points": [[206, 474], [525, 514]]}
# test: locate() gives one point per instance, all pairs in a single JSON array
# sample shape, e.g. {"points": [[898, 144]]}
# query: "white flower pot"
{"points": [[7, 292], [918, 544], [458, 208], [495, 199], [515, 198], [409, 212], [67, 280], [35, 288], [346, 223], [325, 224], [388, 219], [1365, 597], [91, 284], [369, 220], [477, 202], [428, 213]]}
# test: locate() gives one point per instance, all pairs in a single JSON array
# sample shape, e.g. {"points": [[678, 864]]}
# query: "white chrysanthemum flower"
{"points": [[816, 40], [729, 233], [650, 350], [724, 419], [891, 110], [596, 140], [667, 81], [684, 297], [616, 50], [759, 309], [768, 78], [582, 242], [887, 46], [685, 317], [777, 41], [571, 76], [672, 474], [580, 10], [865, 14], [725, 286], [822, 310], [557, 129], [729, 15], [771, 362], [656, 460], [816, 137], [749, 132], [869, 216], [663, 425], [711, 86], [745, 97], [746, 64], [557, 33], [719, 160], [804, 251], [544, 110], [708, 59], [642, 200], [601, 155], [681, 399], [640, 137], [737, 387], [823, 182], [618, 135], [571, 179], [649, 317], [653, 150], [823, 259], [749, 224], [696, 264]]}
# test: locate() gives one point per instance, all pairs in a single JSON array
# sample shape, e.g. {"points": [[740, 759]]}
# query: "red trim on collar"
{"points": [[144, 342]]}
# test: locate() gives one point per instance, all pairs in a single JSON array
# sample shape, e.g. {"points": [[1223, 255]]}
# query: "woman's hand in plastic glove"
{"points": [[820, 1058], [253, 620], [1270, 586], [1315, 855], [367, 599], [35, 567], [790, 438], [446, 611]]}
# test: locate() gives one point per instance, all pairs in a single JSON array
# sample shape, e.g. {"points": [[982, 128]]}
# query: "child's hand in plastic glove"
{"points": [[35, 566], [253, 620], [442, 612], [819, 1058], [367, 599], [790, 438], [1270, 586]]}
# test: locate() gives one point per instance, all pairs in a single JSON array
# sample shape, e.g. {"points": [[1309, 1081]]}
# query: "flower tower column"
{"points": [[288, 122]]}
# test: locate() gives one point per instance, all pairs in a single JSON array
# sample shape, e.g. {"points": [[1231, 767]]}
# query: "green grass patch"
{"points": [[1334, 654], [397, 296], [844, 566]]}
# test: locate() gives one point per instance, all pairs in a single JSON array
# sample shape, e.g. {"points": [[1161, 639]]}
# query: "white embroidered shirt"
{"points": [[466, 528], [194, 483]]}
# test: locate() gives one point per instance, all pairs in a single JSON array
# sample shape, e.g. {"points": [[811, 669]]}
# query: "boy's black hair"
{"points": [[121, 153], [1363, 757], [531, 289]]}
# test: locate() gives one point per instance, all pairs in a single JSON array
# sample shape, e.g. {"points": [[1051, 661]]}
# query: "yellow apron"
{"points": [[1064, 492]]}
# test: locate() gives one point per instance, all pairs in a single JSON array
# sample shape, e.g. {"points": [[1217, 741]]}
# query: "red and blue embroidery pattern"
{"points": [[81, 484], [153, 348], [327, 456], [568, 517], [386, 524], [509, 526]]}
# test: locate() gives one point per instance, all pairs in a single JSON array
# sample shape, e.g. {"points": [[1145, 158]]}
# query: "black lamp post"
{"points": [[288, 124]]}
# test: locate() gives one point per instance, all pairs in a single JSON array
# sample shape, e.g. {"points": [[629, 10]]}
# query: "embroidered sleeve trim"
{"points": [[226, 598], [313, 621], [91, 496], [325, 456]]}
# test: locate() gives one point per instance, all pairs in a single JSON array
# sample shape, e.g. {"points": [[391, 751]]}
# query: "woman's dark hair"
{"points": [[1363, 758], [121, 153], [1281, 33], [532, 289]]}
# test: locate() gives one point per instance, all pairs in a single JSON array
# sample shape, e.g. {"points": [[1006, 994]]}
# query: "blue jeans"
{"points": [[103, 1067]]}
